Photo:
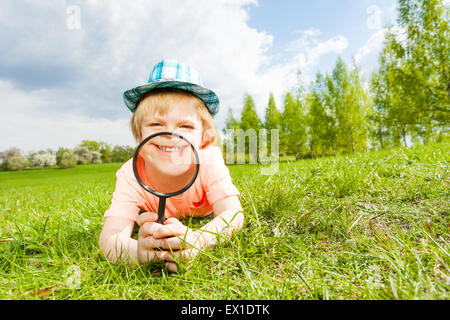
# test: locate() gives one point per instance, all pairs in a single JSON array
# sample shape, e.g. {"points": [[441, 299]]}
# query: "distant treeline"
{"points": [[405, 102], [87, 152]]}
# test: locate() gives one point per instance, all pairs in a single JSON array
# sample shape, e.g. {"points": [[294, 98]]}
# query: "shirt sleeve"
{"points": [[126, 200], [216, 177]]}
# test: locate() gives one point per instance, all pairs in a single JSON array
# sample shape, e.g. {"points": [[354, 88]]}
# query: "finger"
{"points": [[180, 255], [146, 217], [153, 255], [150, 243], [171, 266], [176, 243], [172, 243], [170, 230], [149, 229], [171, 221], [174, 259], [170, 256]]}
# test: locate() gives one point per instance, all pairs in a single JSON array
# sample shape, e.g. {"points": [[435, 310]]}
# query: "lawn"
{"points": [[368, 226]]}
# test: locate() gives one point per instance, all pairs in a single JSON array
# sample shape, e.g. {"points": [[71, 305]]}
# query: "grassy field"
{"points": [[369, 226]]}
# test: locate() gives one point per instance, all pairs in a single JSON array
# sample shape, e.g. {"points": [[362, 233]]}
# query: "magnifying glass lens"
{"points": [[166, 163]]}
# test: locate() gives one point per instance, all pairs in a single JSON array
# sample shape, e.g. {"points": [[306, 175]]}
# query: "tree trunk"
{"points": [[353, 143], [380, 132], [404, 137]]}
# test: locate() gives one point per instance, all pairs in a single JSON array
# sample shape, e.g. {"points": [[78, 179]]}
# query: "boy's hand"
{"points": [[184, 245], [146, 244], [180, 243]]}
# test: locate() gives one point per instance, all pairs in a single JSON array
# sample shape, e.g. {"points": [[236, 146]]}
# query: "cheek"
{"points": [[196, 139], [144, 132]]}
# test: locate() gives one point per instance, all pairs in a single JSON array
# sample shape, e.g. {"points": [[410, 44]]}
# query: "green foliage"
{"points": [[249, 117], [321, 125], [12, 159], [98, 146], [68, 160], [83, 155], [15, 163], [272, 121], [412, 86], [96, 157], [91, 145], [350, 104], [293, 127], [230, 122], [272, 118], [338, 109], [121, 153], [59, 154]]}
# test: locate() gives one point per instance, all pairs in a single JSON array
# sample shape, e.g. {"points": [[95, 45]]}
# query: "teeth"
{"points": [[170, 149]]}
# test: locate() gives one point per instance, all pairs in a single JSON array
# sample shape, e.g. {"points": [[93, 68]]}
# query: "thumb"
{"points": [[171, 221], [146, 217]]}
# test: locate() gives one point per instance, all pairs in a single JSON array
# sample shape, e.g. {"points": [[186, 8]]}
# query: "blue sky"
{"points": [[354, 19], [64, 64]]}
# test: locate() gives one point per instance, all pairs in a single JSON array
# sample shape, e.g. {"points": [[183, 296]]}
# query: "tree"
{"points": [[230, 122], [320, 124], [231, 127], [380, 122], [59, 155], [83, 154], [91, 145], [16, 163], [12, 159], [105, 151], [348, 103], [250, 125], [272, 120], [42, 158], [98, 146], [416, 72], [96, 157], [121, 153], [249, 116], [293, 128], [68, 160]]}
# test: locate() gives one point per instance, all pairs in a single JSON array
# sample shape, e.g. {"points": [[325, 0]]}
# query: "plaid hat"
{"points": [[173, 74]]}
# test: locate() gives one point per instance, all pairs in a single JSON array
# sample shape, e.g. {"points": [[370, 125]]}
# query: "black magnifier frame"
{"points": [[163, 196]]}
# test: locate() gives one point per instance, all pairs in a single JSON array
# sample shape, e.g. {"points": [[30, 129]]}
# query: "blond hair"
{"points": [[160, 101]]}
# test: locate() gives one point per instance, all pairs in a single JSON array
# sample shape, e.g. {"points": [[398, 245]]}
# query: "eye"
{"points": [[154, 124], [187, 126]]}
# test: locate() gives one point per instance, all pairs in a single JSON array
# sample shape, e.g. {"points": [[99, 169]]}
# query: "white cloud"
{"points": [[115, 48], [30, 121], [71, 81], [367, 56], [304, 53]]}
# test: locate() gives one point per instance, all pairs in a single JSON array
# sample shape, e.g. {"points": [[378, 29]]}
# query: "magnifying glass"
{"points": [[165, 164]]}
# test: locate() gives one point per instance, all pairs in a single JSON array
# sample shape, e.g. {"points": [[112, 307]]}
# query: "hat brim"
{"points": [[209, 98]]}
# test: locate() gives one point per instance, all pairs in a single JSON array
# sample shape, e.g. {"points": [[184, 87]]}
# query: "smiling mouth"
{"points": [[170, 149]]}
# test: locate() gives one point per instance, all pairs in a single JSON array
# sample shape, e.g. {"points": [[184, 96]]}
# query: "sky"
{"points": [[64, 65]]}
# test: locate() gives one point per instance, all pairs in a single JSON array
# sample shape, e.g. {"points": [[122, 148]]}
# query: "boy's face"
{"points": [[167, 154]]}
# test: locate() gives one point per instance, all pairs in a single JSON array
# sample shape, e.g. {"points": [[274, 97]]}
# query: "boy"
{"points": [[173, 100]]}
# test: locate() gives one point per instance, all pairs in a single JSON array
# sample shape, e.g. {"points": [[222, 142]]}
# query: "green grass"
{"points": [[369, 226]]}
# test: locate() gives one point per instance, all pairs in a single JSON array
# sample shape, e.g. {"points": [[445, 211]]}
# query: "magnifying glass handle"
{"points": [[161, 210]]}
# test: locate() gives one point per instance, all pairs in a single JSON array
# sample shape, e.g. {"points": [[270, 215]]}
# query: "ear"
{"points": [[208, 138]]}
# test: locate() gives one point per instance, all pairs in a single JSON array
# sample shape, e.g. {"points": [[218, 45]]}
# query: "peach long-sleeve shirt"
{"points": [[212, 184]]}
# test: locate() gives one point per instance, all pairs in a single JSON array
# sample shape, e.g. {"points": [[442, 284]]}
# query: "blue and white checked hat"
{"points": [[173, 74]]}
